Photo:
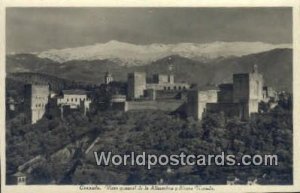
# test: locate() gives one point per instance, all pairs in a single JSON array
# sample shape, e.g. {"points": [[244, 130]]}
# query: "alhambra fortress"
{"points": [[240, 98]]}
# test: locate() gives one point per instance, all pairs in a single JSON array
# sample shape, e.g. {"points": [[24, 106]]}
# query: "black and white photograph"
{"points": [[149, 96]]}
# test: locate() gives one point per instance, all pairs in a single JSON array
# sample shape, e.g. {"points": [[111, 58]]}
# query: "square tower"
{"points": [[197, 101], [36, 100], [136, 85], [248, 90]]}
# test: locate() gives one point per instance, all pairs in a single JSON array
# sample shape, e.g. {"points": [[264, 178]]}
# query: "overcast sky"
{"points": [[38, 29]]}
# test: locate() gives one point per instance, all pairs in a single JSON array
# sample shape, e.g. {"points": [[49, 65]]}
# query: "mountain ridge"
{"points": [[129, 54], [276, 66]]}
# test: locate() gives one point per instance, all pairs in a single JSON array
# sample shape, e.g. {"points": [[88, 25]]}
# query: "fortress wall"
{"points": [[229, 109], [172, 94], [119, 106], [165, 105]]}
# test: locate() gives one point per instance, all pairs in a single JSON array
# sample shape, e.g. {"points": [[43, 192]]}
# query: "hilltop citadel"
{"points": [[240, 98]]}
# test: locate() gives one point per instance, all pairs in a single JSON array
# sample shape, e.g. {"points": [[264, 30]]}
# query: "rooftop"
{"points": [[18, 174]]}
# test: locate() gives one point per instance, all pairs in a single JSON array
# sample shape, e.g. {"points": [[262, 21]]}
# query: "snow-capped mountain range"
{"points": [[131, 54]]}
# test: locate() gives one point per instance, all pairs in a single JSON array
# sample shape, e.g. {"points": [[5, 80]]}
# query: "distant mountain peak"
{"points": [[275, 65], [135, 55]]}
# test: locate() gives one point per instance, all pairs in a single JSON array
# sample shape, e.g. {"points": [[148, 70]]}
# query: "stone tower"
{"points": [[35, 101], [108, 78], [170, 74], [197, 101], [248, 90], [136, 85], [170, 78]]}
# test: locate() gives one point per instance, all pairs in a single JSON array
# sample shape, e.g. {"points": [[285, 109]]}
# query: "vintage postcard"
{"points": [[150, 96]]}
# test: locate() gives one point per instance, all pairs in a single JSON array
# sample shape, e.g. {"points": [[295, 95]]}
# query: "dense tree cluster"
{"points": [[152, 131], [159, 133]]}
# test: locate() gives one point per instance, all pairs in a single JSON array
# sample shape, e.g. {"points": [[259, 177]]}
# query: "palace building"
{"points": [[240, 98], [74, 99], [139, 86]]}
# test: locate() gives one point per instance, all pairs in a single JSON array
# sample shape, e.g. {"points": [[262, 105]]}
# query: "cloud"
{"points": [[37, 29]]}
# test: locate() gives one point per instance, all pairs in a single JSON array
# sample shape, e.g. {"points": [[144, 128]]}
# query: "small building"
{"points": [[160, 181], [108, 78], [119, 103], [11, 104], [232, 180], [252, 181], [118, 98], [18, 178], [169, 170], [74, 100]]}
